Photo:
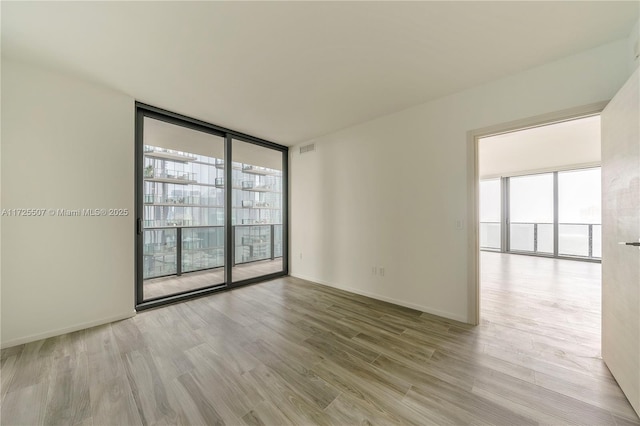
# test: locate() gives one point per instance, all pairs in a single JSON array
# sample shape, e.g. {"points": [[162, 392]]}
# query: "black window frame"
{"points": [[144, 110]]}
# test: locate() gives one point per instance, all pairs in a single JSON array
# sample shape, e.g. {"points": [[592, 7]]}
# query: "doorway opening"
{"points": [[540, 191], [538, 212], [532, 328]]}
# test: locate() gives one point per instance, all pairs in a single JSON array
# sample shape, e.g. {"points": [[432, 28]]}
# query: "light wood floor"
{"points": [[165, 286], [292, 352]]}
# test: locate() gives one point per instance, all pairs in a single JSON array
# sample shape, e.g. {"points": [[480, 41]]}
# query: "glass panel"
{"points": [[579, 205], [490, 235], [159, 253], [183, 215], [531, 203], [597, 241], [252, 243], [545, 238], [521, 236], [573, 240], [277, 240], [202, 248], [490, 213], [257, 183]]}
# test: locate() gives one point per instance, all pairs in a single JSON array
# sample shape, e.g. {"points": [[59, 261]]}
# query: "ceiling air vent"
{"points": [[307, 148]]}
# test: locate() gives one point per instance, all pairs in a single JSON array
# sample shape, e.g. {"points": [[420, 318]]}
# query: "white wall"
{"points": [[633, 43], [574, 143], [65, 144], [390, 191]]}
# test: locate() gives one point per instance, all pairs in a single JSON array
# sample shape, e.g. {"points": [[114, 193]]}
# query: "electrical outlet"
{"points": [[374, 270], [381, 269], [459, 224]]}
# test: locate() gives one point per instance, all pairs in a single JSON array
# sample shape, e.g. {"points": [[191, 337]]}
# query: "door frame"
{"points": [[473, 188], [144, 110]]}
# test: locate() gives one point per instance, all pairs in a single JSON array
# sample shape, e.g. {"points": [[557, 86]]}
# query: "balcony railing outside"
{"points": [[188, 200], [574, 239], [165, 173], [202, 247], [531, 237], [490, 235], [187, 156], [580, 239]]}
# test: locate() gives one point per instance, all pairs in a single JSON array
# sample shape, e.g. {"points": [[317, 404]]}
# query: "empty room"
{"points": [[272, 213]]}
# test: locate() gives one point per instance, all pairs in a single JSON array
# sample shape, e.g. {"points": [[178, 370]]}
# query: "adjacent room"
{"points": [[320, 213], [541, 246]]}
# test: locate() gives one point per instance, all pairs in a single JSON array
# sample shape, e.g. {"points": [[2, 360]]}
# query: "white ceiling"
{"points": [[292, 71], [573, 143]]}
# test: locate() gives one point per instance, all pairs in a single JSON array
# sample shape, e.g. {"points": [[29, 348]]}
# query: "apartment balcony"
{"points": [[262, 171], [182, 201], [175, 250], [169, 176], [168, 154]]}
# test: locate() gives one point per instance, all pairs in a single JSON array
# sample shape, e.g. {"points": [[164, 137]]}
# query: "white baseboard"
{"points": [[426, 309], [71, 329]]}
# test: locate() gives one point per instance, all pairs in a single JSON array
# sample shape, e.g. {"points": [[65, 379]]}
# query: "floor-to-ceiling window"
{"points": [[195, 234], [549, 214]]}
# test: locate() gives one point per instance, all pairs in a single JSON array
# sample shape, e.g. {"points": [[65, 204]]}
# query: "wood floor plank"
{"points": [[436, 410], [553, 403], [112, 402], [201, 403], [362, 380], [233, 395], [148, 388], [265, 413], [7, 371], [33, 366], [333, 345], [103, 355], [25, 405], [539, 416], [282, 344], [68, 395], [371, 391], [345, 411], [293, 404], [427, 374], [299, 375], [472, 408], [369, 320], [395, 347], [594, 392], [317, 324]]}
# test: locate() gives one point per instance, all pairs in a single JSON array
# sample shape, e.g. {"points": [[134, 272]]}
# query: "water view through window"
{"points": [[529, 213]]}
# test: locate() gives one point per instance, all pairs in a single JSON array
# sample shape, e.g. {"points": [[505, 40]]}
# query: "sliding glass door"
{"points": [[257, 219], [195, 234], [183, 213]]}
